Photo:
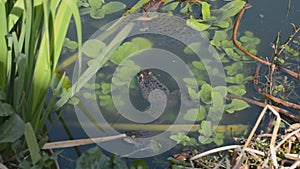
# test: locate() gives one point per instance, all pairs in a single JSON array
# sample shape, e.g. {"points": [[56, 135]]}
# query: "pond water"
{"points": [[265, 19]]}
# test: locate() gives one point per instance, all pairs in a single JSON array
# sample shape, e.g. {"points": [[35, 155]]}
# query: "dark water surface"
{"points": [[265, 19]]}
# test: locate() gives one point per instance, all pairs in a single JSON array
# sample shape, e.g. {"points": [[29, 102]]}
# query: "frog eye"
{"points": [[140, 76], [149, 72]]}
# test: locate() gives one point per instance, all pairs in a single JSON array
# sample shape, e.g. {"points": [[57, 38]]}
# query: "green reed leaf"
{"points": [[32, 143], [3, 45]]}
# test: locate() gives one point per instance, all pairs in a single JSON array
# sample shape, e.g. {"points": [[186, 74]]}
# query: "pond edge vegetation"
{"points": [[31, 44]]}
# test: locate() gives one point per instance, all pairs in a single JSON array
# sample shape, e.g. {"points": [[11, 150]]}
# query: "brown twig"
{"points": [[256, 76], [282, 102], [270, 97], [240, 47], [296, 30], [280, 110]]}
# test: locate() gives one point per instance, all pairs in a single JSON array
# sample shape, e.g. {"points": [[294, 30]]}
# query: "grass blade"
{"points": [[62, 17], [3, 46], [32, 144]]}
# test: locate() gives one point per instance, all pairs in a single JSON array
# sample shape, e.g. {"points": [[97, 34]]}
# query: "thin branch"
{"points": [[237, 44], [261, 104]]}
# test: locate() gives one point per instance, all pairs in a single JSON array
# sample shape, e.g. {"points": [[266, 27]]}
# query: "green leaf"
{"points": [[136, 6], [279, 88], [6, 109], [106, 88], [185, 7], [215, 43], [118, 82], [255, 41], [236, 105], [237, 79], [92, 69], [205, 10], [2, 96], [227, 44], [198, 65], [189, 81], [92, 48], [138, 164], [192, 48], [95, 3], [220, 36], [82, 4], [244, 39], [97, 13], [206, 132], [205, 93], [88, 95], [105, 100], [238, 90], [195, 24], [113, 7], [192, 94], [202, 113], [126, 70], [229, 51], [170, 6], [129, 48], [32, 143], [218, 141], [222, 24], [142, 43], [178, 137], [195, 114], [218, 102], [184, 139], [232, 8], [205, 140], [218, 138], [206, 128], [12, 129], [70, 44], [94, 158], [221, 89], [235, 68], [249, 34], [74, 101]]}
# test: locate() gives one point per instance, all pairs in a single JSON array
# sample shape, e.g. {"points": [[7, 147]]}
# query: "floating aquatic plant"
{"points": [[216, 18], [97, 9]]}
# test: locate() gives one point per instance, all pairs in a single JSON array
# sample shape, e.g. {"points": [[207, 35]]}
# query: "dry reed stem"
{"points": [[273, 139], [295, 165], [79, 142], [287, 137], [215, 151], [251, 135]]}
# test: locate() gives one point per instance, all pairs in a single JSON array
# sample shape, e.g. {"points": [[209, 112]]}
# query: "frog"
{"points": [[156, 93]]}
